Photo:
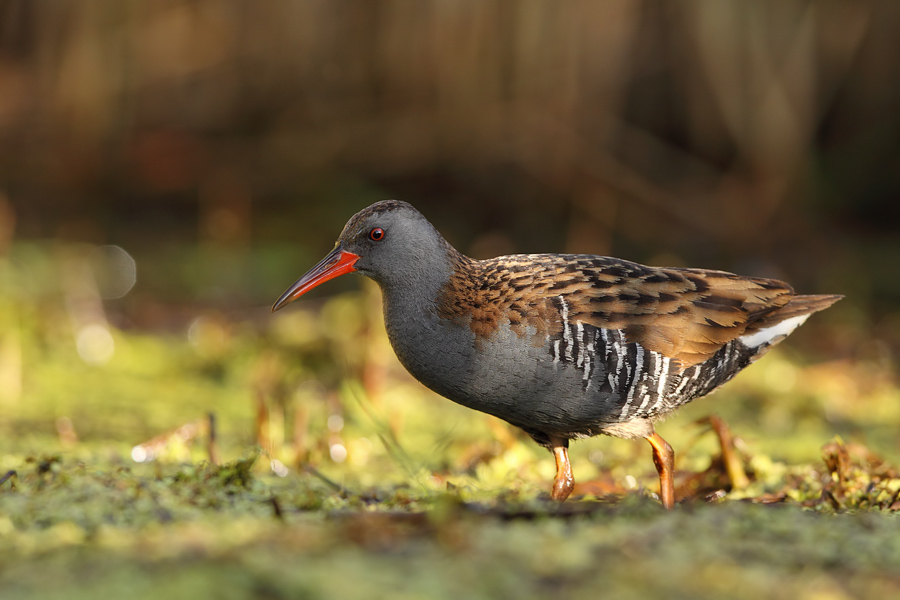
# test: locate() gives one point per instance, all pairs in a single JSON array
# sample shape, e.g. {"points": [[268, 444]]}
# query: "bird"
{"points": [[562, 346]]}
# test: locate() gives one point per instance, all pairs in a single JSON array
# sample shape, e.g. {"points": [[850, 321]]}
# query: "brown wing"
{"points": [[685, 314]]}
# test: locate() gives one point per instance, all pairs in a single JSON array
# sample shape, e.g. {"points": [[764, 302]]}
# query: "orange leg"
{"points": [[664, 459], [564, 482]]}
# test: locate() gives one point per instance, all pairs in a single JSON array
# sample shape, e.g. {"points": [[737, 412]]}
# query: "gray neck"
{"points": [[426, 344], [410, 299], [412, 286]]}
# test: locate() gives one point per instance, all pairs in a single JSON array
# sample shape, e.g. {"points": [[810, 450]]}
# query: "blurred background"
{"points": [[168, 168]]}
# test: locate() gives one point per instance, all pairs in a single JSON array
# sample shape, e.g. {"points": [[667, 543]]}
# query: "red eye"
{"points": [[376, 234]]}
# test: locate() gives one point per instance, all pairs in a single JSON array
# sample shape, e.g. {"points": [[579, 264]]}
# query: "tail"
{"points": [[797, 306], [773, 327]]}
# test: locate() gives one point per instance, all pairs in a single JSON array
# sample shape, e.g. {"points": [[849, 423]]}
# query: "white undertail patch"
{"points": [[767, 335]]}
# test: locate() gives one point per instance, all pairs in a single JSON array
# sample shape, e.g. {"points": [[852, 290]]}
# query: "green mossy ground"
{"points": [[340, 477]]}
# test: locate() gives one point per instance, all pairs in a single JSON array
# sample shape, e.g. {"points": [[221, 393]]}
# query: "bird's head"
{"points": [[390, 242]]}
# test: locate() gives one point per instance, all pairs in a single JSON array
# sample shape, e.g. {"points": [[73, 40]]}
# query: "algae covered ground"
{"points": [[236, 454]]}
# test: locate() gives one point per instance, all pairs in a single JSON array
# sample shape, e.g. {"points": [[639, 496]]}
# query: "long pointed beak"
{"points": [[338, 262]]}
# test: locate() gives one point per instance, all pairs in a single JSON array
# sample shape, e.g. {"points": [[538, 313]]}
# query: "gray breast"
{"points": [[505, 374]]}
